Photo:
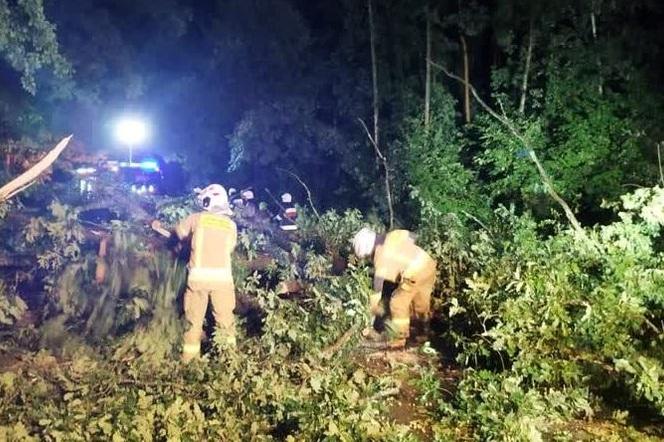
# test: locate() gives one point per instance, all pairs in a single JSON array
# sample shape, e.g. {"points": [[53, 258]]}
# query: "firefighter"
{"points": [[397, 259], [213, 237], [248, 204], [289, 215], [235, 198]]}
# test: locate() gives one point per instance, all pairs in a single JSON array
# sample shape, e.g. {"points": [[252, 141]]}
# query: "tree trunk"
{"points": [[593, 23], [544, 176], [526, 71], [376, 134], [466, 78], [374, 74], [427, 80]]}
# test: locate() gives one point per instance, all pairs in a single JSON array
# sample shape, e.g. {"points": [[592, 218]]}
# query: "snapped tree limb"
{"points": [[27, 178], [544, 176]]}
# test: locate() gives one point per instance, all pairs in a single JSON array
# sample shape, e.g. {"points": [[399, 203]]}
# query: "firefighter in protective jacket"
{"points": [[213, 237], [397, 259]]}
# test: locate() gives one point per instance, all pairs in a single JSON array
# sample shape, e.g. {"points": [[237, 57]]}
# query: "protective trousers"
{"points": [[196, 301], [414, 292]]}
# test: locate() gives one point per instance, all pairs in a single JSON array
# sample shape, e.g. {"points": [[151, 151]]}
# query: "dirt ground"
{"points": [[405, 407]]}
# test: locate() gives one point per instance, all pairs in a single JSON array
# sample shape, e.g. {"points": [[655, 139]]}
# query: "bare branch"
{"points": [[306, 188], [502, 108], [379, 154], [544, 176], [526, 71], [659, 161], [477, 221], [333, 349]]}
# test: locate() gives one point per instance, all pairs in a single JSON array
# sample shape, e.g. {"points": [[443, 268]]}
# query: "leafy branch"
{"points": [[509, 124]]}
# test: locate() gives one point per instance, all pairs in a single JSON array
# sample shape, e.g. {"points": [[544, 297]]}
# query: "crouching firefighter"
{"points": [[397, 259], [213, 237]]}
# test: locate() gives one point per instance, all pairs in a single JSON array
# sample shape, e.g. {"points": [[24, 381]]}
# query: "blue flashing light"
{"points": [[149, 166]]}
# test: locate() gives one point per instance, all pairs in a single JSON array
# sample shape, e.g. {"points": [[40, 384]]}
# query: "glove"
{"points": [[375, 305]]}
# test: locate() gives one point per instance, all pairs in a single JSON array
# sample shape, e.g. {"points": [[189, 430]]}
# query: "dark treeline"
{"points": [[260, 87], [520, 141]]}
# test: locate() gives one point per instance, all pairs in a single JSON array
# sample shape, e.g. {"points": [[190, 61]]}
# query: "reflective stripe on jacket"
{"points": [[213, 239]]}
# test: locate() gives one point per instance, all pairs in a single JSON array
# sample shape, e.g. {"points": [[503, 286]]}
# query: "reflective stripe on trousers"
{"points": [[195, 306], [191, 351], [228, 341], [398, 328], [210, 274], [191, 348]]}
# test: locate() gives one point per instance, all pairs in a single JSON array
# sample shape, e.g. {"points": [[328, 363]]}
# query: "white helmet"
{"points": [[364, 242], [248, 194], [231, 191], [286, 198], [214, 199]]}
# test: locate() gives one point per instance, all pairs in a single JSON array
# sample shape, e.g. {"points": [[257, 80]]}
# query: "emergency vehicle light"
{"points": [[150, 166]]}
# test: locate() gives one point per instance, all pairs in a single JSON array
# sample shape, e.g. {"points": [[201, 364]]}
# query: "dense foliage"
{"points": [[543, 325], [289, 374], [547, 325]]}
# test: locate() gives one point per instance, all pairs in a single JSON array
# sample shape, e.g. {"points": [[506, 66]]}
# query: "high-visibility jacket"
{"points": [[397, 257], [213, 239], [288, 217]]}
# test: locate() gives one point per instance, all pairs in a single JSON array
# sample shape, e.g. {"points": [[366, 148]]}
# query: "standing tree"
{"points": [[28, 41], [376, 108], [427, 77]]}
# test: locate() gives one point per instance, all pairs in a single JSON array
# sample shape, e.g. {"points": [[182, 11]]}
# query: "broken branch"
{"points": [[306, 188], [381, 157], [28, 177], [544, 176]]}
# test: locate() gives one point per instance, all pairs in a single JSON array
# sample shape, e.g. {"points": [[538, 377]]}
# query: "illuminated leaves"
{"points": [[28, 41]]}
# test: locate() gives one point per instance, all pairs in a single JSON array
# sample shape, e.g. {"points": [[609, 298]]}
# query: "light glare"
{"points": [[131, 131]]}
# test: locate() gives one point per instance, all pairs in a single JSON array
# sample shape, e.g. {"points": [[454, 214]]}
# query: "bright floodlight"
{"points": [[131, 132]]}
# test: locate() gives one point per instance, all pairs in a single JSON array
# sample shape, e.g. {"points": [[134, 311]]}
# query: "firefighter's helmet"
{"points": [[214, 199]]}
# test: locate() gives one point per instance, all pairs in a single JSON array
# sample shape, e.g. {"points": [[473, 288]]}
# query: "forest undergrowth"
{"points": [[541, 333]]}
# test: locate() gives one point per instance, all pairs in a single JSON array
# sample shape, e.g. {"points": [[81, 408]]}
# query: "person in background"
{"points": [[213, 236], [397, 259], [289, 213], [235, 198], [249, 205]]}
